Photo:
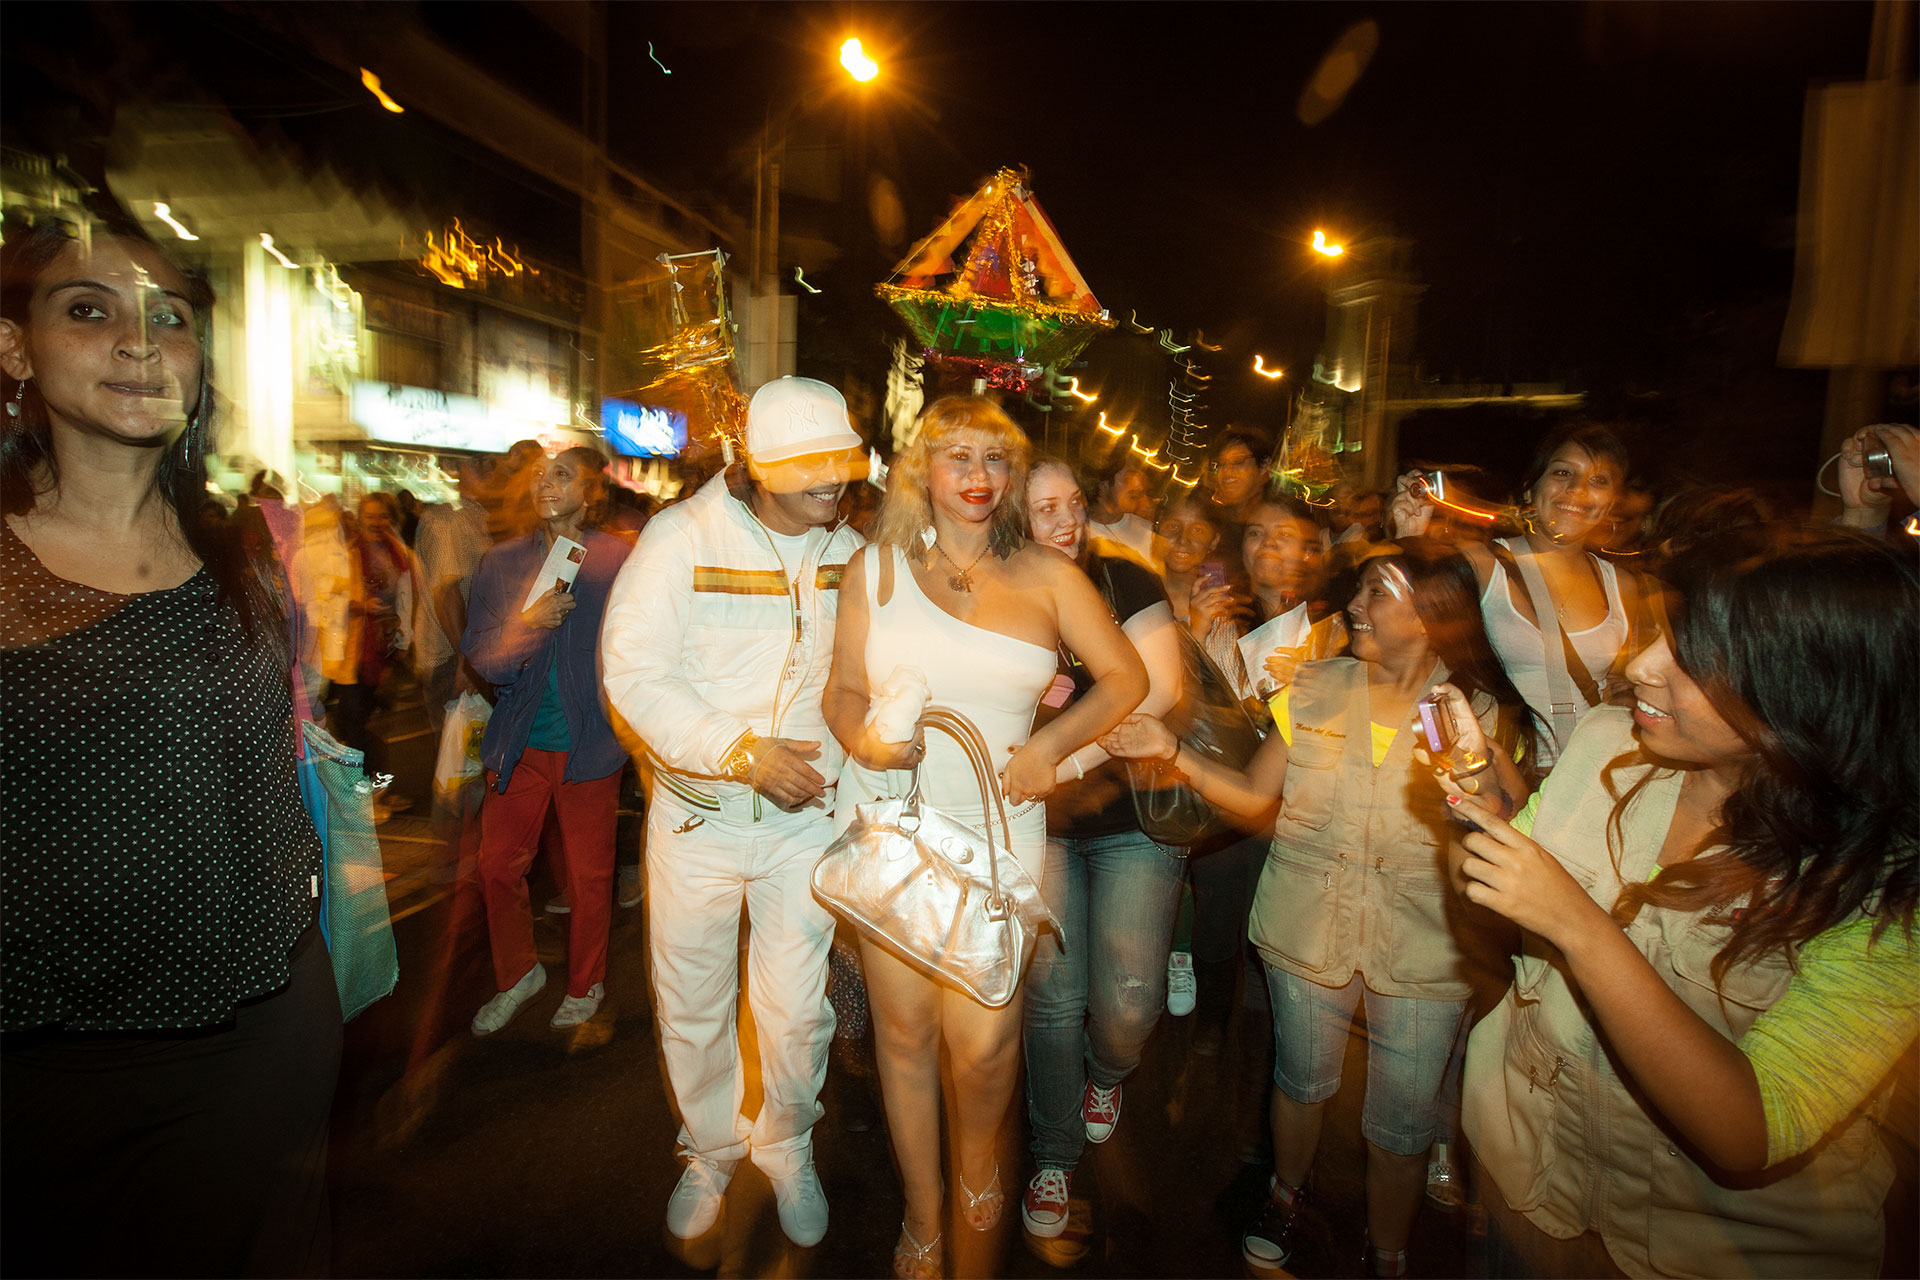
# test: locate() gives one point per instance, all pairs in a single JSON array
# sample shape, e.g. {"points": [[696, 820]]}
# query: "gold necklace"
{"points": [[961, 579]]}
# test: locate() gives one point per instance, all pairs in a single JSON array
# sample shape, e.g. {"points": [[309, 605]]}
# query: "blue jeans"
{"points": [[1408, 1042], [1091, 1006]]}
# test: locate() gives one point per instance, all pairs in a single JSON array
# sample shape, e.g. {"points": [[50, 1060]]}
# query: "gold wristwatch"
{"points": [[738, 764]]}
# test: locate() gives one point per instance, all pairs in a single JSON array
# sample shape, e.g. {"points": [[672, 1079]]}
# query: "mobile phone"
{"points": [[1877, 461], [1436, 722], [1213, 574]]}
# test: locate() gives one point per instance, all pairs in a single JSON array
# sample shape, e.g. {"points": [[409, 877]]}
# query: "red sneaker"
{"points": [[1100, 1108], [1043, 1210]]}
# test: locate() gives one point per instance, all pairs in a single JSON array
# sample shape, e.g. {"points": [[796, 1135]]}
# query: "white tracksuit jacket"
{"points": [[705, 638]]}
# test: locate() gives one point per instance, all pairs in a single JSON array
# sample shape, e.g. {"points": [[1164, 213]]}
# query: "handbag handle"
{"points": [[964, 732]]}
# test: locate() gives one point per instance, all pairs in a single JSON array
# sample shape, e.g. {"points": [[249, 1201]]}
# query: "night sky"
{"points": [[1598, 193]]}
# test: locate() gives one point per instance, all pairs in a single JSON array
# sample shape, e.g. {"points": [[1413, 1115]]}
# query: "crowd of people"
{"points": [[1604, 827]]}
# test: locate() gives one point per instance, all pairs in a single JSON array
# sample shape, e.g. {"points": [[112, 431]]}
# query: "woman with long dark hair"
{"points": [[1561, 618], [1717, 890], [1351, 906], [172, 1032]]}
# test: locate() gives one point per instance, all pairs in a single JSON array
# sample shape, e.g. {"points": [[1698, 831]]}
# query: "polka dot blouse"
{"points": [[157, 859]]}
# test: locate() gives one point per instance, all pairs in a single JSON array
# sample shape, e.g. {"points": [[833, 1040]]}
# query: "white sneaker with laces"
{"points": [[802, 1204], [694, 1206], [498, 1012], [1182, 989], [575, 1010]]}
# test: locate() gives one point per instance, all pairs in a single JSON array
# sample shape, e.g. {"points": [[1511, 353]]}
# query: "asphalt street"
{"points": [[537, 1152]]}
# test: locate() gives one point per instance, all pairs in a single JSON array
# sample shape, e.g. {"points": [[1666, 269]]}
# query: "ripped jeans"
{"points": [[1091, 1007]]}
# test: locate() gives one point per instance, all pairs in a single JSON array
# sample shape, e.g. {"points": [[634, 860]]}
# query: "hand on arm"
{"points": [[1698, 1080], [1155, 637], [1252, 797], [1087, 629]]}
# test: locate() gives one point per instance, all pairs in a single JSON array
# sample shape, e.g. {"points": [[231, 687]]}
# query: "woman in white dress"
{"points": [[954, 589]]}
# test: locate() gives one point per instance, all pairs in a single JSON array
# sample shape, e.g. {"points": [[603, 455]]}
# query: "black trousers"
{"points": [[194, 1154]]}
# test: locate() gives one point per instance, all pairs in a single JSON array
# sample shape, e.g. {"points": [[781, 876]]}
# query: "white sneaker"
{"points": [[631, 888], [498, 1012], [575, 1010], [559, 905], [694, 1206], [802, 1204], [1182, 989]]}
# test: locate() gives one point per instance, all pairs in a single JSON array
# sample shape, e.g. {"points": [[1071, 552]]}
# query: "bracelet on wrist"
{"points": [[1078, 772]]}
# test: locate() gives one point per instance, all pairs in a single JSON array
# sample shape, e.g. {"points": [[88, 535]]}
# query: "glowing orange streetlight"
{"points": [[854, 58], [1321, 246]]}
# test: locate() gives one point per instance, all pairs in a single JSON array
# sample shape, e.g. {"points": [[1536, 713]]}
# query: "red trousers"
{"points": [[510, 823]]}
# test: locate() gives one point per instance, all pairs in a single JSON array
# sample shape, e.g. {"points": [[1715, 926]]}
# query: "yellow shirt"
{"points": [[1383, 734]]}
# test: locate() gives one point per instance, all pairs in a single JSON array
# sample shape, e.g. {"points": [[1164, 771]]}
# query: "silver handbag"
{"points": [[934, 891]]}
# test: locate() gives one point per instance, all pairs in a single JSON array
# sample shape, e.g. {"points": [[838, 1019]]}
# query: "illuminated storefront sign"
{"points": [[430, 419]]}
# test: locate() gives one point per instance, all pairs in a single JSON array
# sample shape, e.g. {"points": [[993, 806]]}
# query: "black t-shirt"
{"points": [[1102, 804], [158, 863]]}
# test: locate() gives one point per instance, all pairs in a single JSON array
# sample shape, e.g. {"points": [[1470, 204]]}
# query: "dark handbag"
{"points": [[1210, 721], [946, 898]]}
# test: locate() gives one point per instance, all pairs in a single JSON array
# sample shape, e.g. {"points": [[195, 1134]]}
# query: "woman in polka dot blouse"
{"points": [[169, 1030]]}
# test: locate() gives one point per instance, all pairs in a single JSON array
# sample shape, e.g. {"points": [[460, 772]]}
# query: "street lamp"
{"points": [[1321, 246], [854, 58], [861, 68]]}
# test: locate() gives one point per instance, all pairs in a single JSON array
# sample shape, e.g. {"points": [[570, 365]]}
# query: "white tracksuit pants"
{"points": [[697, 878]]}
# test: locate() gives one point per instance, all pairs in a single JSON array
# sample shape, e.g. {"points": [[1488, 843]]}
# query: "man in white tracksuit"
{"points": [[715, 649]]}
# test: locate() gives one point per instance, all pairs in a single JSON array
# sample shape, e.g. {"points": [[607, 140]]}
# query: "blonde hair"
{"points": [[906, 514]]}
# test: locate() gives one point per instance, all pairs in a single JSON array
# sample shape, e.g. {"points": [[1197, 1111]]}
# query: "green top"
{"points": [[1850, 1010], [549, 731]]}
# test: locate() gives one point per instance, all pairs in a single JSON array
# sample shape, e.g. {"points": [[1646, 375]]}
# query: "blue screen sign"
{"points": [[642, 431]]}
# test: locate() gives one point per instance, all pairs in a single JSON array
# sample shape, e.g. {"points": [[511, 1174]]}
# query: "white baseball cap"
{"points": [[793, 417]]}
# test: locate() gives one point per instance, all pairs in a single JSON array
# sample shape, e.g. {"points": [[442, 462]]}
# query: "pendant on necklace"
{"points": [[960, 581]]}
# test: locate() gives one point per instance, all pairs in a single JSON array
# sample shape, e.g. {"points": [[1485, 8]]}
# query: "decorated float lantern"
{"points": [[993, 293]]}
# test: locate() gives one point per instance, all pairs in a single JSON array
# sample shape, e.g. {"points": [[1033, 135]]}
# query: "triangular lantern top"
{"points": [[1015, 254]]}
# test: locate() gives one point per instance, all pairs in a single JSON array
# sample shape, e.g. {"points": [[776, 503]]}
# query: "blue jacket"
{"points": [[515, 657]]}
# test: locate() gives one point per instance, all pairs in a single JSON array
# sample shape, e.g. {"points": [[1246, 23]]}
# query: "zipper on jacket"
{"points": [[794, 624]]}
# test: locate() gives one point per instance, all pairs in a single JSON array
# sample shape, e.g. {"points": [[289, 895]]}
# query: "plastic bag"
{"points": [[459, 760]]}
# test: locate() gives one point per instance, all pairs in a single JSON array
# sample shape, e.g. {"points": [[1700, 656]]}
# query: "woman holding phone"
{"points": [[1352, 905], [549, 744], [1717, 890]]}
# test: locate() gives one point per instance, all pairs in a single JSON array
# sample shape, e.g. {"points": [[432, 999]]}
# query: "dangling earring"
{"points": [[19, 399], [928, 537], [189, 443]]}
